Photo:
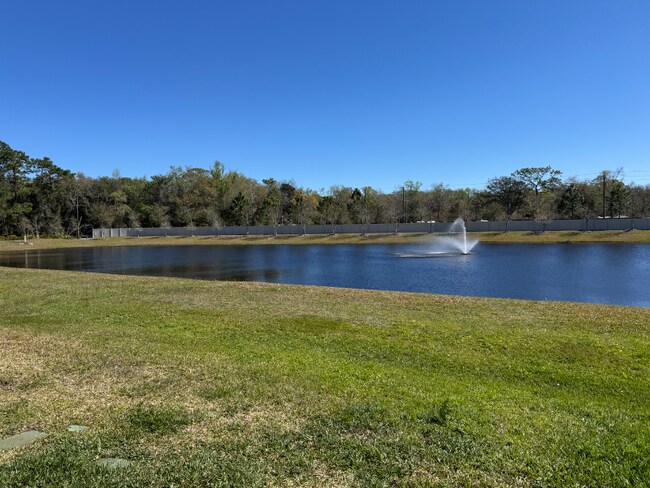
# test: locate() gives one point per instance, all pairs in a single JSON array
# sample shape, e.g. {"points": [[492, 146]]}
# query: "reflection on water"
{"points": [[602, 273]]}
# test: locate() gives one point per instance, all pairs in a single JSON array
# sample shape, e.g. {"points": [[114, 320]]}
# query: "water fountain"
{"points": [[458, 237], [453, 244]]}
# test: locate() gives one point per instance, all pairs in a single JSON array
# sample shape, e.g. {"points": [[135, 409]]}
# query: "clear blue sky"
{"points": [[330, 92]]}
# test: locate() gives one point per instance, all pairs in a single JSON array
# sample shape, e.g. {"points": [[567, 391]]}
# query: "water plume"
{"points": [[455, 243], [457, 237]]}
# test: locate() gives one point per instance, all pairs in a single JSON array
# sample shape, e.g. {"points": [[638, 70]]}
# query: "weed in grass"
{"points": [[378, 448], [14, 415], [157, 419], [62, 461], [361, 417], [214, 393], [439, 413]]}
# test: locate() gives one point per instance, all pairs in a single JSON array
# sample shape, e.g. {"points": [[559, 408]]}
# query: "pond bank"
{"points": [[635, 236], [248, 384]]}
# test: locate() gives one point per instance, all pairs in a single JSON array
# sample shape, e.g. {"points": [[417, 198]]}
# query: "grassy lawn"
{"points": [[636, 236], [203, 383]]}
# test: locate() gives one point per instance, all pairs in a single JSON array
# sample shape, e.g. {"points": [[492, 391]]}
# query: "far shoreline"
{"points": [[513, 237]]}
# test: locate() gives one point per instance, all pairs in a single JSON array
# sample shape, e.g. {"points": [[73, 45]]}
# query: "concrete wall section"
{"points": [[483, 226]]}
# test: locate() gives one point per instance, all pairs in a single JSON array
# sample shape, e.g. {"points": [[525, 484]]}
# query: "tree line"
{"points": [[39, 198]]}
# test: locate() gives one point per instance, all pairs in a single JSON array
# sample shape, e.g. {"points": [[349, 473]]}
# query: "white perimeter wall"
{"points": [[497, 226]]}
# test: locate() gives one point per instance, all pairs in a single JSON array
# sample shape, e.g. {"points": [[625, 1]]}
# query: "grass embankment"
{"points": [[209, 383], [636, 236], [605, 236]]}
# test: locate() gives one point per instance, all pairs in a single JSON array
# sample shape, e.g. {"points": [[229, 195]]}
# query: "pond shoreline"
{"points": [[551, 237]]}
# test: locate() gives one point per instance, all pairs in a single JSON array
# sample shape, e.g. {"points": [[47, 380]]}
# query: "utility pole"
{"points": [[403, 204], [604, 177], [366, 217]]}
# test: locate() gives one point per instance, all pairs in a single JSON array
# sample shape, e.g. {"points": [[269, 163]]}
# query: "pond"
{"points": [[599, 273]]}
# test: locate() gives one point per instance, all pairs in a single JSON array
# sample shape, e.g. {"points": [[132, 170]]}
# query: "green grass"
{"points": [[610, 236], [244, 384], [635, 236]]}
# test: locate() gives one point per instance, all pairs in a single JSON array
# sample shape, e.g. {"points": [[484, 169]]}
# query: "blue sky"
{"points": [[330, 92]]}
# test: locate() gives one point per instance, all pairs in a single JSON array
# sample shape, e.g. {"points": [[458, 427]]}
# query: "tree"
{"points": [[509, 192], [303, 205], [156, 215], [328, 211], [619, 197], [238, 212], [48, 197], [341, 196], [538, 180], [460, 204], [483, 206], [438, 203], [589, 204], [639, 202], [571, 200], [77, 204], [287, 192], [395, 207], [38, 196], [15, 168], [413, 201], [613, 195], [355, 206], [370, 206], [270, 210]]}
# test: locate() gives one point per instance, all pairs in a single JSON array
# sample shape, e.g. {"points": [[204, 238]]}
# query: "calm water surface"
{"points": [[601, 273]]}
